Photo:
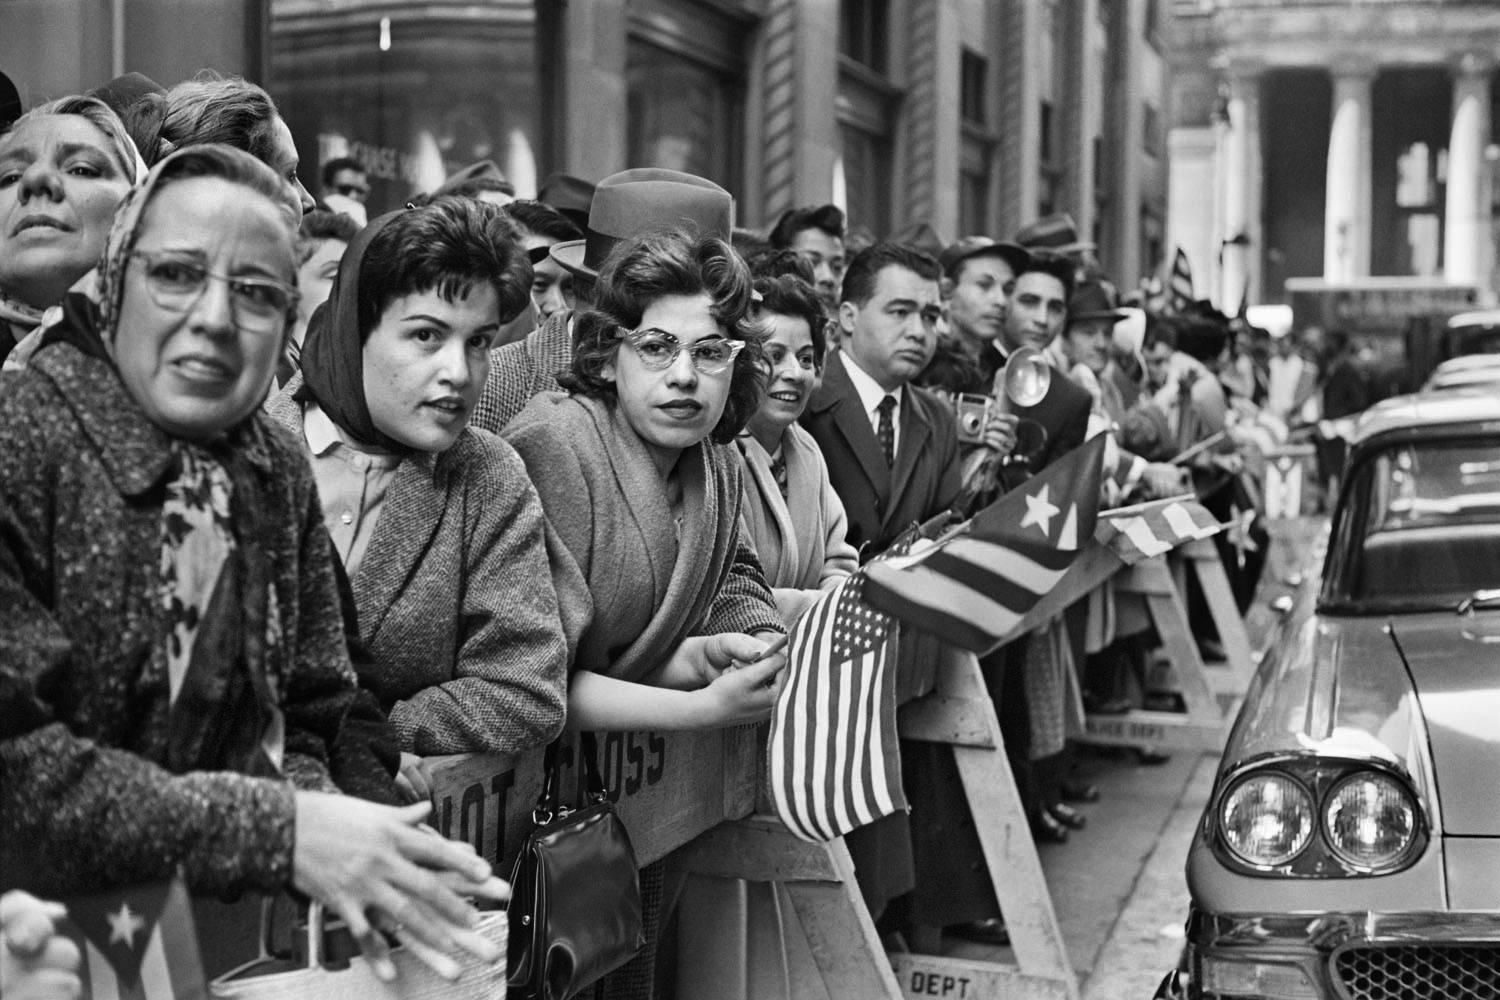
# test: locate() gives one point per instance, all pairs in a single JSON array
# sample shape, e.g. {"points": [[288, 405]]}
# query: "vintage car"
{"points": [[1351, 846]]}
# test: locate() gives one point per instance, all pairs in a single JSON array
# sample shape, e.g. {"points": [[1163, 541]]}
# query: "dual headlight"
{"points": [[1369, 821]]}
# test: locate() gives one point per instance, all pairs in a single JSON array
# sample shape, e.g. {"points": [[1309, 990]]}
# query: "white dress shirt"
{"points": [[870, 395], [351, 485]]}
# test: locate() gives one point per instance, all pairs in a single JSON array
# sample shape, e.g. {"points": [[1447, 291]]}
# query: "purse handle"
{"points": [[547, 808]]}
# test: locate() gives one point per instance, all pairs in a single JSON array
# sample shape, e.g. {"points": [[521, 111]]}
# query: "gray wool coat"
{"points": [[523, 369], [649, 586], [456, 603], [86, 798]]}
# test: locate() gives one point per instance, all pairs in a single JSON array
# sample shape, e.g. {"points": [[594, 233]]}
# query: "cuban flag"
{"points": [[974, 586], [1145, 530], [137, 943]]}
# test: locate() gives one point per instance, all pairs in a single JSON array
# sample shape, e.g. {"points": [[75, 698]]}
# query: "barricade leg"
{"points": [[959, 713], [1207, 566], [819, 879]]}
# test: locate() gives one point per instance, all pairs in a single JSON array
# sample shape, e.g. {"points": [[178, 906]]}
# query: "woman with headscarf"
{"points": [[791, 510], [173, 672], [64, 168], [436, 524]]}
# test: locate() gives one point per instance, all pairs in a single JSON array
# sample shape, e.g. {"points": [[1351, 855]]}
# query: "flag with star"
{"points": [[833, 759], [973, 586], [137, 943]]}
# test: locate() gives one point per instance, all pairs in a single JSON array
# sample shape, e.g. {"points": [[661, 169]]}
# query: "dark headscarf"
{"points": [[333, 352]]}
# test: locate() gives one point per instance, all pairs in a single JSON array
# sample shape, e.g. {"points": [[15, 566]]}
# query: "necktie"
{"points": [[886, 430]]}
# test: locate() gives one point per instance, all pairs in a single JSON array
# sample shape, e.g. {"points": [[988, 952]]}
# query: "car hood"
{"points": [[1341, 688], [1455, 662]]}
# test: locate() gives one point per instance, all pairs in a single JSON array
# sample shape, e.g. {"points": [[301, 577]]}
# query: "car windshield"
{"points": [[1418, 527]]}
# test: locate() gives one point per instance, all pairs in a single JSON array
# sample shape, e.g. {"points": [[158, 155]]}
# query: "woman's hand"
{"points": [[377, 865], [412, 780], [36, 962], [745, 694]]}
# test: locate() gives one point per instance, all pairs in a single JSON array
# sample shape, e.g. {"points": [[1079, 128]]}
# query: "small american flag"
{"points": [[137, 943], [834, 761], [1145, 530]]}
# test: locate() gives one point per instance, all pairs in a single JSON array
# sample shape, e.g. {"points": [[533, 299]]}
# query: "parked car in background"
{"points": [[1351, 846], [1466, 369]]}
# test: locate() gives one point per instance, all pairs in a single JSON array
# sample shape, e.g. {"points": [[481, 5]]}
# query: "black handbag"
{"points": [[575, 909]]}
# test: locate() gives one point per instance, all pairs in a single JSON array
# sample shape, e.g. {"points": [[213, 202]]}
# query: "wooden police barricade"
{"points": [[1205, 723], [691, 795]]}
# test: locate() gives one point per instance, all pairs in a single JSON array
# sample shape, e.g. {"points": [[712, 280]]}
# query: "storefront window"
{"points": [[415, 92], [684, 115]]}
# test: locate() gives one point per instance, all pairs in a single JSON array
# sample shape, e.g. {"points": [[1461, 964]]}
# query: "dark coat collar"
{"points": [[135, 453]]}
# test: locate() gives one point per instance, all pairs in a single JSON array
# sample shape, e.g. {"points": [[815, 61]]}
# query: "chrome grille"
{"points": [[1420, 972]]}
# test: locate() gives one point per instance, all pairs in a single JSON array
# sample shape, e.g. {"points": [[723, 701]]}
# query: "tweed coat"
{"points": [[800, 537], [85, 798], [650, 588], [454, 600], [523, 369], [883, 501]]}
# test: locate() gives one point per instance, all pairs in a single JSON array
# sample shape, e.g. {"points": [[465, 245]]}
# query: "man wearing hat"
{"points": [[570, 195], [625, 205]]}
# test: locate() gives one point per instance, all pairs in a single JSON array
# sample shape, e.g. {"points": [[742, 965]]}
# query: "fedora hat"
{"points": [[975, 246], [570, 195], [484, 169], [1057, 233], [635, 202], [1094, 300]]}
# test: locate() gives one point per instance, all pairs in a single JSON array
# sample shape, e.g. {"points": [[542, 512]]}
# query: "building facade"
{"points": [[1340, 139], [968, 115]]}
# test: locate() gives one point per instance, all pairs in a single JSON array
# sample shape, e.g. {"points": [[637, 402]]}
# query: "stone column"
{"points": [[1082, 88], [1240, 244], [1466, 241], [1346, 226], [1126, 125]]}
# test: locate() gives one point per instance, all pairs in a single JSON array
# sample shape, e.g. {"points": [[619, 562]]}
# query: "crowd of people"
{"points": [[293, 496]]}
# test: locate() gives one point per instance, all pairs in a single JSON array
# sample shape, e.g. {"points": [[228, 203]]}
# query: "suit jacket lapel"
{"points": [[850, 418], [411, 515]]}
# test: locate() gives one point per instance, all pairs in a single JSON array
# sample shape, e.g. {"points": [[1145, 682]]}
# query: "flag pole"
{"points": [[1126, 511]]}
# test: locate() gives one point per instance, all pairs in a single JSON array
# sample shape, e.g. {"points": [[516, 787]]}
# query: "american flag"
{"points": [[137, 943], [973, 587], [1149, 529], [834, 762]]}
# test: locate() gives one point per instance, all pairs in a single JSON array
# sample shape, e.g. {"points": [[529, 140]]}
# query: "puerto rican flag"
{"points": [[137, 943]]}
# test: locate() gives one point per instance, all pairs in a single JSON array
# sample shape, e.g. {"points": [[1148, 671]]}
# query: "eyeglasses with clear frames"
{"points": [[258, 305], [658, 350]]}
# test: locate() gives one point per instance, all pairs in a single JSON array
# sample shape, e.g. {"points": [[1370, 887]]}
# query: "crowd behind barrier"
{"points": [[316, 528]]}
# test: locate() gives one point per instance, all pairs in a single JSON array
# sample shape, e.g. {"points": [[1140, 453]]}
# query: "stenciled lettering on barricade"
{"points": [[937, 984], [471, 807], [632, 761], [1122, 729]]}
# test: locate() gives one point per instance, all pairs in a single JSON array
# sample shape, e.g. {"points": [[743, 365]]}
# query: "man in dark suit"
{"points": [[892, 453], [887, 321]]}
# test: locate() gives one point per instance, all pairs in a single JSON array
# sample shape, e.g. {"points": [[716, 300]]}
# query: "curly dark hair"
{"points": [[792, 295], [647, 268], [449, 245]]}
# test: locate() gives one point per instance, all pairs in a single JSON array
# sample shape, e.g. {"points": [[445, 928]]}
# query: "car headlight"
{"points": [[1267, 819], [1371, 819]]}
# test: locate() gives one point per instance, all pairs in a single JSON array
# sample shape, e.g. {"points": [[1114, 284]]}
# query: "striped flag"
{"points": [[1180, 283], [137, 943], [834, 761], [1149, 529], [974, 586]]}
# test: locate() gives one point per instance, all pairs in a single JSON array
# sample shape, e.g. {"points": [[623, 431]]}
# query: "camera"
{"points": [[972, 413]]}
